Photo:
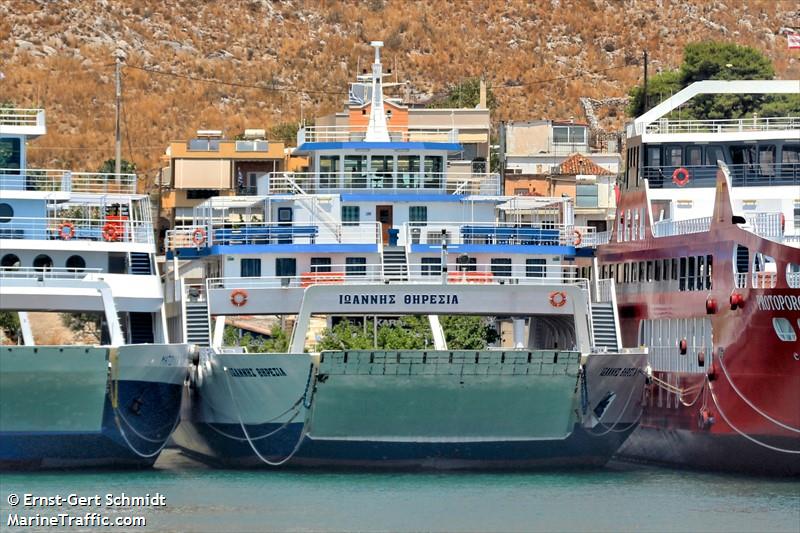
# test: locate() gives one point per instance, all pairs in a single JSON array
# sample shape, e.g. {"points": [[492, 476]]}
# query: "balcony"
{"points": [[77, 229], [462, 183], [16, 121], [747, 175], [66, 181]]}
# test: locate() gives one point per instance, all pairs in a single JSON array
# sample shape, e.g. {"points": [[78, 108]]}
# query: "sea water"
{"points": [[620, 497]]}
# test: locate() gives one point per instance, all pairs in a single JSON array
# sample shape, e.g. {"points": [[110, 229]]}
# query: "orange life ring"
{"points": [[239, 297], [199, 236], [681, 177], [558, 298], [110, 232], [69, 233], [578, 238]]}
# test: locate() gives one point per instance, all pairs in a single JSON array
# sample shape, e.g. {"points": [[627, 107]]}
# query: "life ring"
{"points": [[110, 232], [558, 298], [578, 238], [239, 297], [66, 230], [681, 176], [199, 236]]}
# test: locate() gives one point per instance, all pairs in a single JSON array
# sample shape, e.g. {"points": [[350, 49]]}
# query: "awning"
{"points": [[530, 203]]}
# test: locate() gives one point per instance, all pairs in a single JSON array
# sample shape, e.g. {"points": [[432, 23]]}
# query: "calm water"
{"points": [[619, 498]]}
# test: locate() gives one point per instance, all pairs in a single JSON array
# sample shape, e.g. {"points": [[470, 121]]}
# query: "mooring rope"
{"points": [[609, 429]]}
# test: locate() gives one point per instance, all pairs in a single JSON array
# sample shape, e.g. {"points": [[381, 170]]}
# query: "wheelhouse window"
{"points": [[356, 266], [10, 153], [653, 156], [250, 268], [784, 330], [674, 156], [381, 168], [694, 155], [714, 154], [408, 169], [434, 168], [766, 160], [790, 154], [351, 215], [329, 171], [743, 155], [355, 167]]}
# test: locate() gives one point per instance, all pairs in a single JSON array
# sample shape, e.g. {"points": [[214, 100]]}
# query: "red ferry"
{"points": [[705, 252]]}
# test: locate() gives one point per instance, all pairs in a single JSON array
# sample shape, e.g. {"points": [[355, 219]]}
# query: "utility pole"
{"points": [[118, 138], [645, 81]]}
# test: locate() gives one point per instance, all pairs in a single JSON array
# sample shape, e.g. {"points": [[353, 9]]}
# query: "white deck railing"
{"points": [[77, 229], [668, 228], [66, 180], [46, 273], [498, 233], [21, 117], [354, 133], [723, 125], [466, 183]]}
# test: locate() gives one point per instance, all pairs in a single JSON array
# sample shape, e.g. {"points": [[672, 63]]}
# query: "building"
{"points": [[547, 158], [210, 165]]}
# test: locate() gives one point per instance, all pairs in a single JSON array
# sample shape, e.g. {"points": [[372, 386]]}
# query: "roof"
{"points": [[578, 164]]}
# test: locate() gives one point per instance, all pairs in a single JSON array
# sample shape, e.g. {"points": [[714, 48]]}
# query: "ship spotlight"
{"points": [[711, 306], [682, 346]]}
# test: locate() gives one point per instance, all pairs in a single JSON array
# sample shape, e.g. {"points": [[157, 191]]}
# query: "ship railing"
{"points": [[605, 291], [740, 280], [742, 175], [793, 279], [42, 273], [669, 228], [764, 280], [767, 225], [418, 182], [498, 233], [358, 133], [227, 233], [66, 181], [732, 125], [791, 240], [194, 292], [601, 237], [77, 229], [21, 117], [418, 273]]}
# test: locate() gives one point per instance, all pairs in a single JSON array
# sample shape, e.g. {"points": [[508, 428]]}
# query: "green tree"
{"points": [[9, 325], [285, 131], [84, 324], [125, 166], [278, 341], [468, 332], [713, 60], [465, 94], [345, 336]]}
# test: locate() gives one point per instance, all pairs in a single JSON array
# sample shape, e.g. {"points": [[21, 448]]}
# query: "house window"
{"points": [[586, 195], [521, 192], [536, 268], [203, 145], [201, 194], [784, 329], [356, 266], [351, 215], [569, 135], [328, 171], [250, 268], [418, 213], [285, 267], [501, 266], [320, 264], [431, 266]]}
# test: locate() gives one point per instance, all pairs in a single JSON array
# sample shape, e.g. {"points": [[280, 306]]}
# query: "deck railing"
{"points": [[77, 229], [355, 133], [668, 228], [746, 175], [67, 181], [498, 233], [732, 125], [466, 183], [46, 273], [21, 117]]}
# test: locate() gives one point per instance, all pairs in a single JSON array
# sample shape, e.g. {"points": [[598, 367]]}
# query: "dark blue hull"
{"points": [[147, 413], [224, 445]]}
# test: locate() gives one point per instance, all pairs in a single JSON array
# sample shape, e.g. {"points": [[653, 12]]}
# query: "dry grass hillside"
{"points": [[58, 55]]}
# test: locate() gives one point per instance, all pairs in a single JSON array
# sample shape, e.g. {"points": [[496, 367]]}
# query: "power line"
{"points": [[235, 84], [558, 78]]}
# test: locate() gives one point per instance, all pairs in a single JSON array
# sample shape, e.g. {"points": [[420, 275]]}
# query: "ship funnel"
{"points": [[377, 130]]}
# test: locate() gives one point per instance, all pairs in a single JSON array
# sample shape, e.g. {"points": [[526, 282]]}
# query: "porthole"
{"points": [[76, 263], [43, 261], [784, 329], [10, 261], [6, 212]]}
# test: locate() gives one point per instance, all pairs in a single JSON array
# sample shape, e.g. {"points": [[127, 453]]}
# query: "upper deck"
{"points": [[57, 180], [26, 122]]}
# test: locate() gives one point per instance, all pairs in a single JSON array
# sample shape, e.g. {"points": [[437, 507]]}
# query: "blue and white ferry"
{"points": [[381, 227], [77, 242]]}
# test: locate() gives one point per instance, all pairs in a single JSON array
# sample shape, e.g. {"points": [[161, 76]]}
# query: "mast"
{"points": [[377, 130]]}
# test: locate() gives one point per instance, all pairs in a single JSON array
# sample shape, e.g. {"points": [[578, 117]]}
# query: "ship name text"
{"points": [[274, 372], [778, 302], [392, 299]]}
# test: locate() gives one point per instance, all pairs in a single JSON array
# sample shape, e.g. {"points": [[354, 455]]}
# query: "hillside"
{"points": [[58, 55]]}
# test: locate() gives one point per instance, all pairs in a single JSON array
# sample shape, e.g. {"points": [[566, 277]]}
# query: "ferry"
{"points": [[81, 242], [705, 251], [381, 227]]}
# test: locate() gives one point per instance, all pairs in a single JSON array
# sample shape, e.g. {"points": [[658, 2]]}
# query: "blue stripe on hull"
{"points": [[151, 408], [580, 448]]}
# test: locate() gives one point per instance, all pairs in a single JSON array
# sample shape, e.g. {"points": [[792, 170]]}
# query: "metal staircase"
{"points": [[604, 329], [140, 264], [198, 330], [395, 266]]}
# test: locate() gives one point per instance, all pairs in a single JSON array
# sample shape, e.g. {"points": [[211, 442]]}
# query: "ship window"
{"points": [[381, 168], [351, 215], [418, 213], [431, 266], [793, 275], [766, 160], [714, 154], [6, 212], [641, 272], [790, 153], [742, 259], [682, 278], [354, 168], [784, 329], [117, 263], [709, 270], [10, 154], [625, 273], [674, 156], [285, 267], [649, 271], [320, 264], [654, 156], [328, 171], [797, 216], [75, 263], [408, 171], [657, 270], [250, 268], [743, 155], [42, 261], [10, 261], [535, 268], [694, 155], [501, 266], [674, 269], [433, 172], [355, 266]]}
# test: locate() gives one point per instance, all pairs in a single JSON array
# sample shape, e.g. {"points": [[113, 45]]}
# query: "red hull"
{"points": [[741, 410]]}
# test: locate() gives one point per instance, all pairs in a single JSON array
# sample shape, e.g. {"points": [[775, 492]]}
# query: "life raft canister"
{"points": [[681, 176]]}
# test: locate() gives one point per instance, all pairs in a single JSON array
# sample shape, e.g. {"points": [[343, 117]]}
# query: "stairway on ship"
{"points": [[140, 264], [141, 327], [197, 325], [604, 329], [395, 266]]}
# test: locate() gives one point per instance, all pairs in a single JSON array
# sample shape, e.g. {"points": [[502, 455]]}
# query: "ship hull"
{"points": [[72, 407], [383, 410]]}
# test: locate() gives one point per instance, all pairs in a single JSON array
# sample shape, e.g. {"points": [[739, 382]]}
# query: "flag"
{"points": [[793, 40]]}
